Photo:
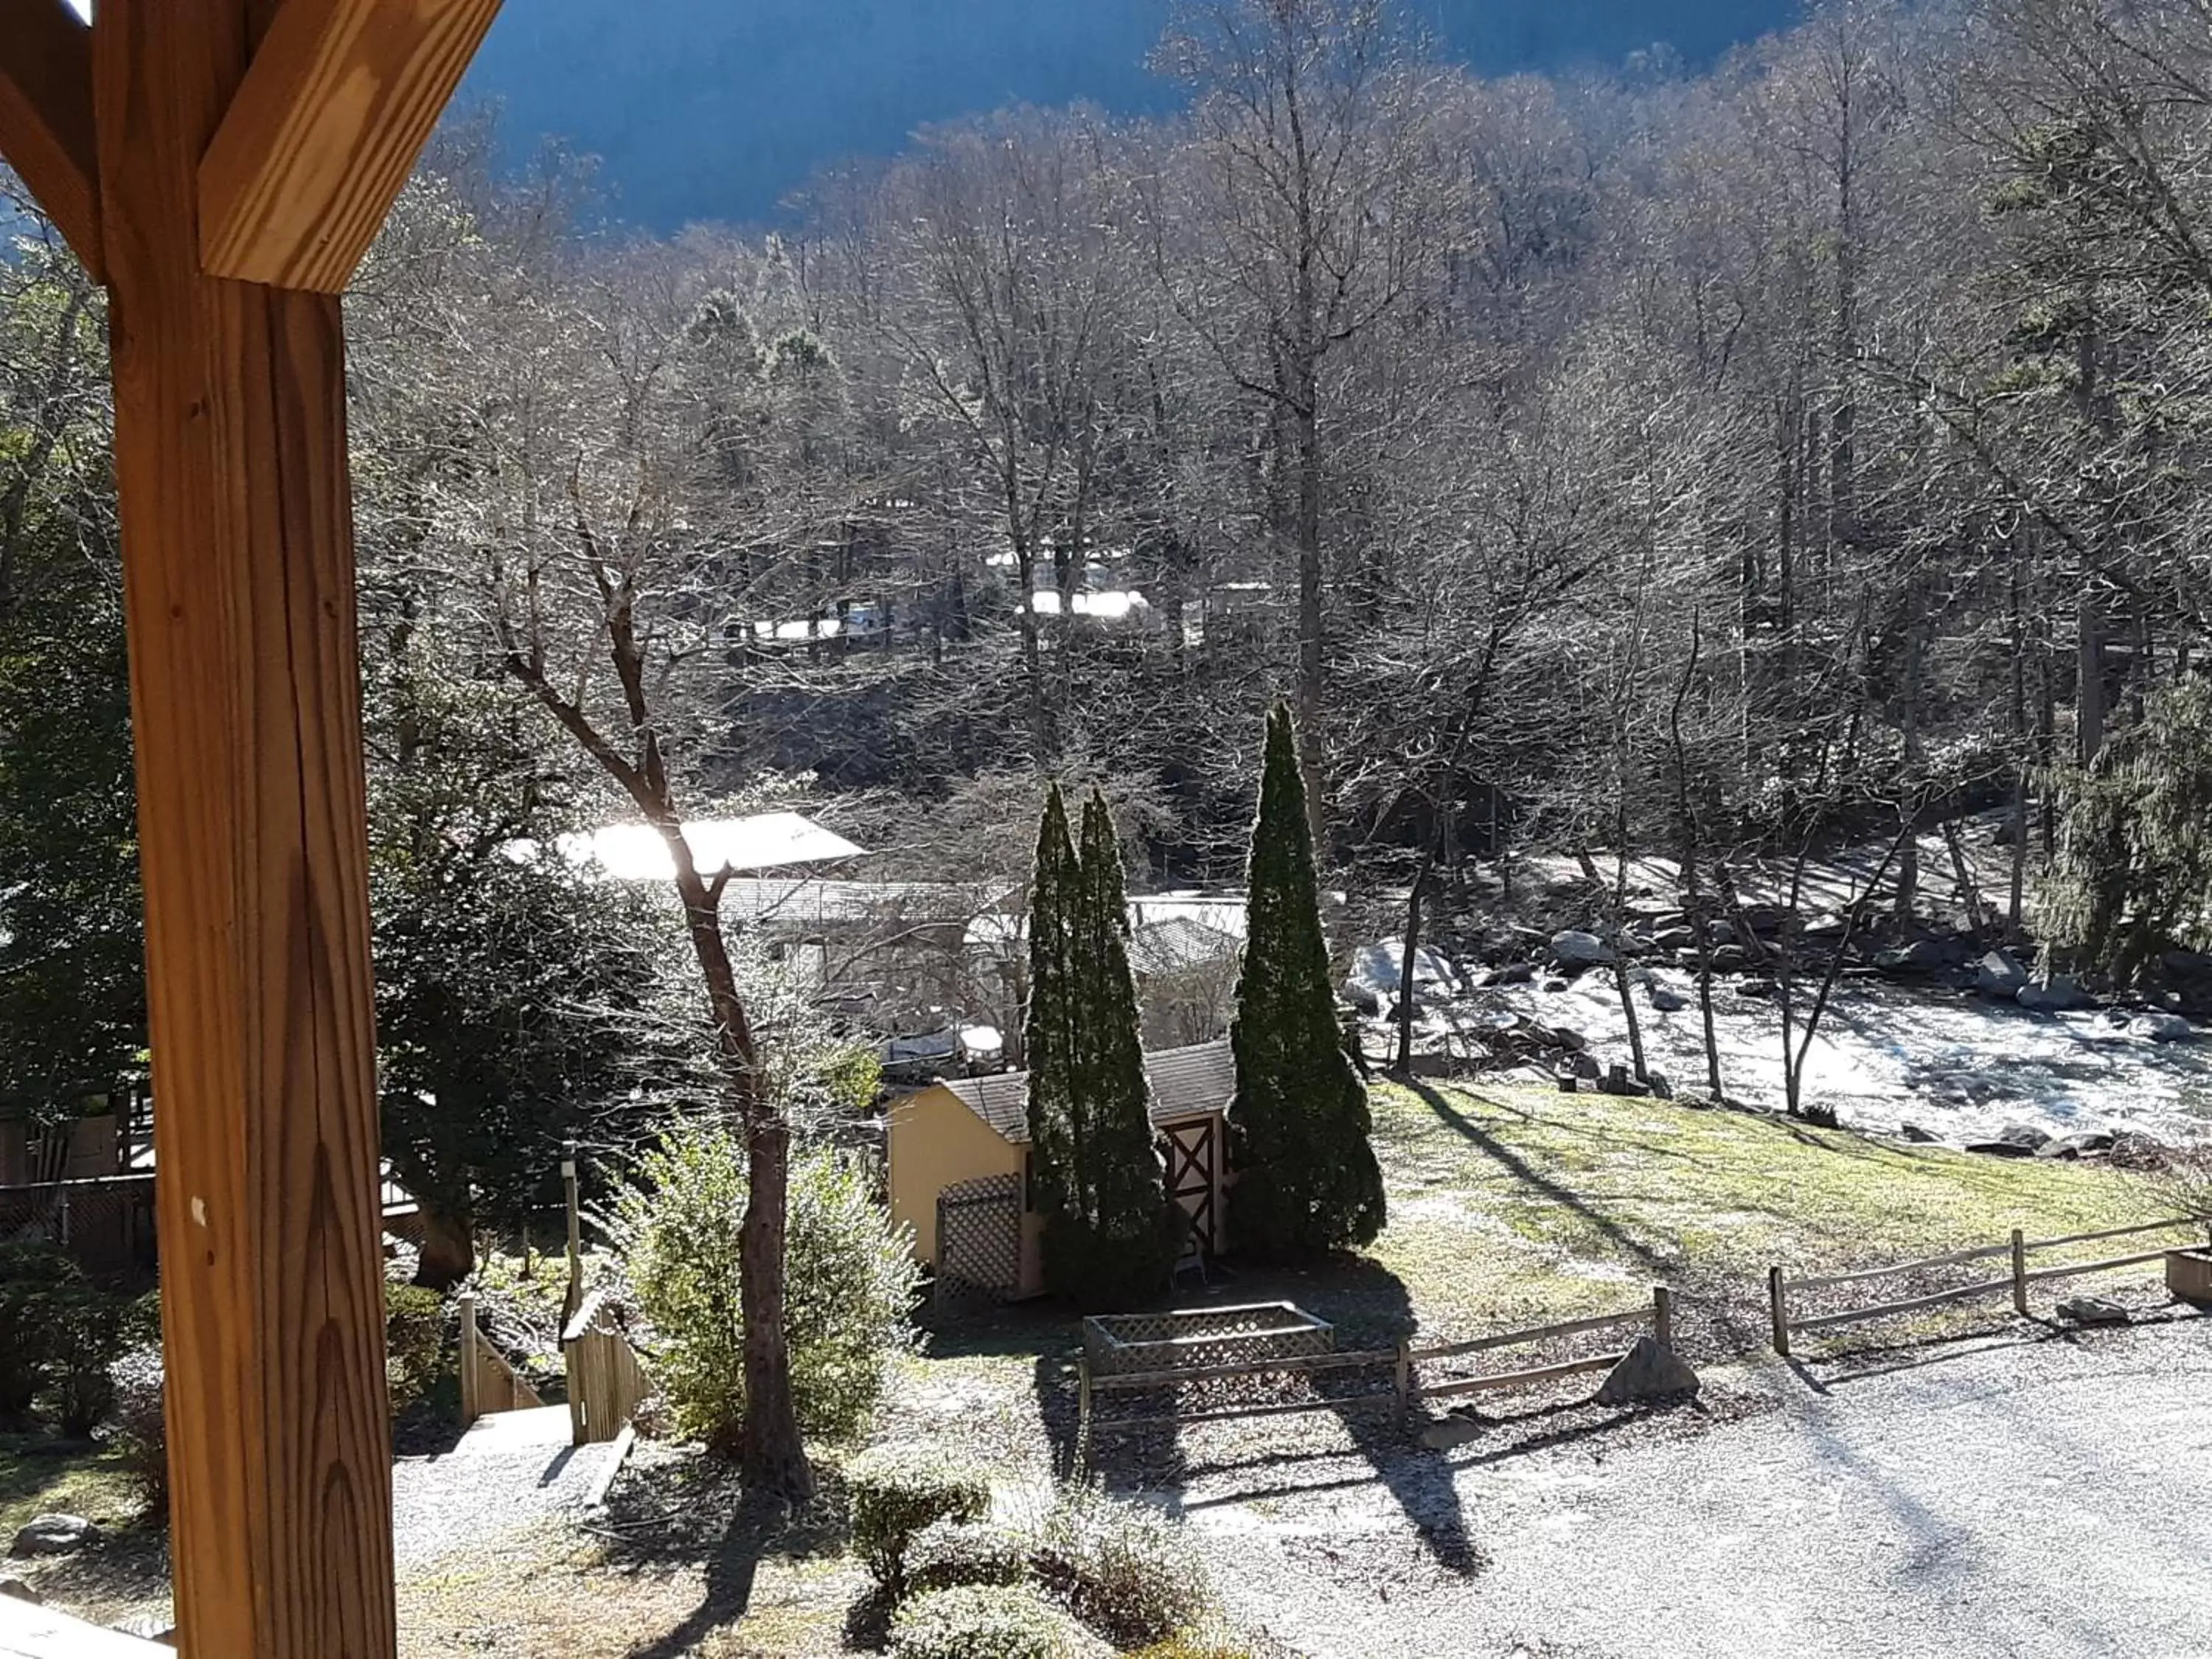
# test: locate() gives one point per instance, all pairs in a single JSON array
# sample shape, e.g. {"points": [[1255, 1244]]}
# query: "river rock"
{"points": [[2092, 1310], [1916, 1136], [1666, 1000], [2162, 1027], [1647, 1372], [2025, 1134], [1573, 948], [55, 1535], [2000, 1149], [2061, 996], [1728, 958], [2000, 975], [1510, 973], [21, 1592], [2077, 1145], [1922, 955]]}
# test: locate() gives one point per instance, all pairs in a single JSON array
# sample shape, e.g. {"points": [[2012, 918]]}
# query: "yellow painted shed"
{"points": [[959, 1165]]}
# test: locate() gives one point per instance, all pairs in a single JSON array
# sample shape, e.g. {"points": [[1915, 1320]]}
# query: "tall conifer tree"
{"points": [[1112, 1246], [1307, 1179], [1049, 1039]]}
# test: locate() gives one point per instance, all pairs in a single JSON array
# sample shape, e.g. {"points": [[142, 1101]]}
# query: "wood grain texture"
{"points": [[47, 129], [323, 132], [231, 468]]}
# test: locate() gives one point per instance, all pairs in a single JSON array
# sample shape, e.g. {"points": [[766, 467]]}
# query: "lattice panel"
{"points": [[979, 1240], [1195, 1339]]}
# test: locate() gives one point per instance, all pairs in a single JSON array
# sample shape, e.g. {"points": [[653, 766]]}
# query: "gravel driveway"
{"points": [[2037, 1497]]}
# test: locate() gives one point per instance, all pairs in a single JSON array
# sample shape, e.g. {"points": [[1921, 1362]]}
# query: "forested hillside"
{"points": [[1773, 459], [702, 110]]}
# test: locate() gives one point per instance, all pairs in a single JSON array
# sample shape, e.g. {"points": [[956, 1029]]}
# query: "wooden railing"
{"points": [[605, 1381], [1779, 1286], [488, 1384], [1407, 1385]]}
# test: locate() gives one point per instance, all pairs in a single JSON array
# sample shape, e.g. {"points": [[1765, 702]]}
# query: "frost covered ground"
{"points": [[1886, 1055]]}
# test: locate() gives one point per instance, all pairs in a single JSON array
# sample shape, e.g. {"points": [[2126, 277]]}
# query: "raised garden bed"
{"points": [[2188, 1275], [1192, 1339]]}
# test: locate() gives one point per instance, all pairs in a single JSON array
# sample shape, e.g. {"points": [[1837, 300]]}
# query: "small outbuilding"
{"points": [[959, 1153]]}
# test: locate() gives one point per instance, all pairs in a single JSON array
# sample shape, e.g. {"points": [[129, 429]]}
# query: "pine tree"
{"points": [[1111, 1244], [1049, 1026], [1307, 1181]]}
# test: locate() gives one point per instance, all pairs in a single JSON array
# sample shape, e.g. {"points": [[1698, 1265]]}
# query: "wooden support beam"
{"points": [[322, 133], [46, 118], [239, 587]]}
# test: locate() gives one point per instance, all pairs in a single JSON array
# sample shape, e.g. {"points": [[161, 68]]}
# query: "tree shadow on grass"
{"points": [[1537, 1181], [696, 1513]]}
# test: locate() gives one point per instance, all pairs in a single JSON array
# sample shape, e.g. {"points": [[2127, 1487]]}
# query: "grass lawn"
{"points": [[1507, 1201], [1516, 1206], [40, 1474]]}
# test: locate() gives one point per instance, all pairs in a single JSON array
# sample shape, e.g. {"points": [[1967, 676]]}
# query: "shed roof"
{"points": [[1185, 1082]]}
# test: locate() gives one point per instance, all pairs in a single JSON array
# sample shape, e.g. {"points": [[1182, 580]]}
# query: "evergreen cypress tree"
{"points": [[1113, 1243], [1307, 1179], [1050, 1022]]}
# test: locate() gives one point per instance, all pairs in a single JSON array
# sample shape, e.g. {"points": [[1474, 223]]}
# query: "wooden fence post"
{"points": [[1404, 1382], [1662, 1315], [1779, 1309], [1082, 1415], [575, 1298], [471, 1385], [2020, 1272]]}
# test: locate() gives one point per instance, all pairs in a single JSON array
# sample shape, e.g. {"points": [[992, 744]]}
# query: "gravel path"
{"points": [[2046, 1497], [506, 1479]]}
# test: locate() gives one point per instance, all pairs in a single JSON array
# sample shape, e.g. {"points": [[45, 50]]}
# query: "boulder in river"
{"points": [[2077, 1145], [1510, 973], [2000, 1149], [2025, 1134], [1922, 955], [1999, 974], [1573, 948], [2063, 995], [2162, 1027]]}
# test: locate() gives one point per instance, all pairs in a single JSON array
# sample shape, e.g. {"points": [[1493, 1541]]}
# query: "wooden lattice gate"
{"points": [[979, 1242]]}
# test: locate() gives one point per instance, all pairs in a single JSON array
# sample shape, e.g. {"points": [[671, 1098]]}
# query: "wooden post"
{"points": [[230, 459], [1779, 1309], [574, 1298], [2020, 1273], [1662, 1315], [471, 1377], [1082, 1416]]}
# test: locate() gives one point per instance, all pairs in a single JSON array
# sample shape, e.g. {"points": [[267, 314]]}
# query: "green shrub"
{"points": [[84, 1336], [32, 1274], [140, 1430], [1126, 1570], [58, 1335], [850, 1281], [896, 1491], [989, 1621], [946, 1554], [414, 1342]]}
